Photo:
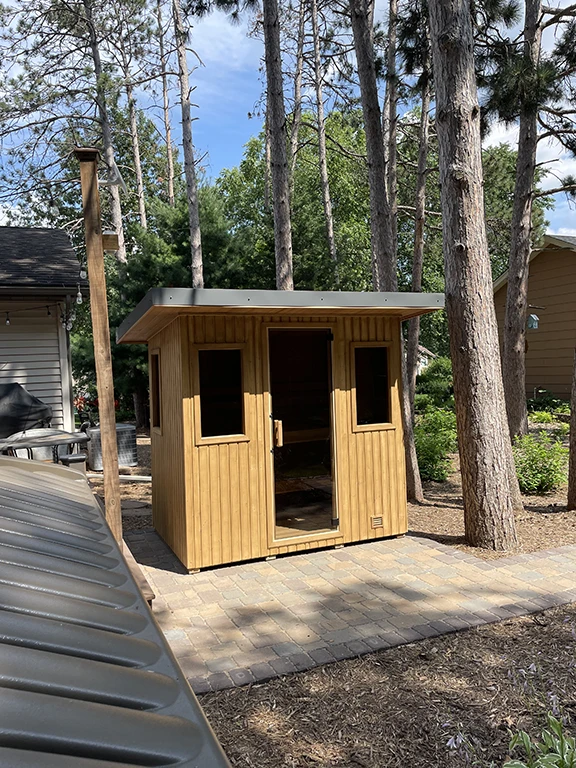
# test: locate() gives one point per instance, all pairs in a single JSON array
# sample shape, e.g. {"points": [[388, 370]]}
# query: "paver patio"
{"points": [[254, 621]]}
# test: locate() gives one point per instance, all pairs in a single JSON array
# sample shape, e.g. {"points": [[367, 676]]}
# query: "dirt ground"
{"points": [[400, 707]]}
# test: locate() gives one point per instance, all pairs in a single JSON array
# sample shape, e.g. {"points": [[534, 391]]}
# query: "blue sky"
{"points": [[229, 86]]}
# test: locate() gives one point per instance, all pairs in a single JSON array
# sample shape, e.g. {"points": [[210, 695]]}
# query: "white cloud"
{"points": [[220, 43]]}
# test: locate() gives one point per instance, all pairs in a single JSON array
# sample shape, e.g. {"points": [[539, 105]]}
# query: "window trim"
{"points": [[380, 426], [218, 439], [156, 395]]}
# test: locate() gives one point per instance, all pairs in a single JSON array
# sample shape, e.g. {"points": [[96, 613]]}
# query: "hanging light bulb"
{"points": [[69, 325], [79, 298], [7, 318], [73, 315], [83, 273]]}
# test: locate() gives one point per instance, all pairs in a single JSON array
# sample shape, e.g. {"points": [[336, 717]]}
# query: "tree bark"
{"points": [[278, 160], [391, 124], [483, 436], [140, 399], [107, 144], [322, 157], [514, 347], [572, 463], [383, 254], [188, 146], [297, 111], [165, 104], [268, 162], [419, 222], [136, 155]]}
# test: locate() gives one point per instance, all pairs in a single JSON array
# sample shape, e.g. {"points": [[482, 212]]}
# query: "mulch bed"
{"points": [[400, 707], [544, 524]]}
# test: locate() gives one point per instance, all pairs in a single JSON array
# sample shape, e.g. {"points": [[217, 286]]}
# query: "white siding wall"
{"points": [[33, 353]]}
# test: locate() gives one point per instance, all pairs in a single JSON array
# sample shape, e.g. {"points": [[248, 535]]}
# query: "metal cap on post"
{"points": [[88, 158]]}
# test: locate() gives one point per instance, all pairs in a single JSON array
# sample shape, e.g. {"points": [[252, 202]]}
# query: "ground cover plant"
{"points": [[541, 463]]}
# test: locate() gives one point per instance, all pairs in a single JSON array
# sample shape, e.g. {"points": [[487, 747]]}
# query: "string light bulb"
{"points": [[7, 318], [83, 273], [79, 298]]}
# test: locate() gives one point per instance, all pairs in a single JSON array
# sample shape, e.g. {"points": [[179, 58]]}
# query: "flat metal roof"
{"points": [[161, 305]]}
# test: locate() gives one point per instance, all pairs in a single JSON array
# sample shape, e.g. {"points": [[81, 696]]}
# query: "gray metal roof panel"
{"points": [[241, 299], [86, 677]]}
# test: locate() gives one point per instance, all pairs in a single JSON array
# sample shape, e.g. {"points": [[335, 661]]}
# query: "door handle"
{"points": [[278, 434]]}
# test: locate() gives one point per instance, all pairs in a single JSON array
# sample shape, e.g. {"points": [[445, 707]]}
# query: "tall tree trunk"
{"points": [[419, 221], [391, 123], [136, 155], [572, 463], [483, 437], [322, 159], [188, 146], [107, 144], [514, 348], [297, 112], [383, 254], [279, 163], [165, 104], [268, 162]]}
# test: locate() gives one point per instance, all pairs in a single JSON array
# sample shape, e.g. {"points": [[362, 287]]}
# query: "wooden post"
{"points": [[88, 158]]}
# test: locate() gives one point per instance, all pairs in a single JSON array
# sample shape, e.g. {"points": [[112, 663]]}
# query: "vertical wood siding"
{"points": [[33, 353], [169, 480], [227, 488], [550, 355]]}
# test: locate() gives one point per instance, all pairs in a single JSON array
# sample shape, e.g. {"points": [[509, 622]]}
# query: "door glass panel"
{"points": [[301, 389]]}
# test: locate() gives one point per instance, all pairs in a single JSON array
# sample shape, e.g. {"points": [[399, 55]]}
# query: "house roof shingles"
{"points": [[33, 257]]}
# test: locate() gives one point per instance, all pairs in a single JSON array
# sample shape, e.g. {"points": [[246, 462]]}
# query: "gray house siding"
{"points": [[34, 353]]}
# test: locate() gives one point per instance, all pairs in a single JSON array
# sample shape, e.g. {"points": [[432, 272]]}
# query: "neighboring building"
{"points": [[39, 281], [552, 298], [425, 357]]}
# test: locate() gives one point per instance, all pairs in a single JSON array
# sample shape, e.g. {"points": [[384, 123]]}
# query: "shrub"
{"points": [[561, 430], [541, 417], [546, 401], [540, 463], [435, 438], [423, 403], [556, 750], [436, 381]]}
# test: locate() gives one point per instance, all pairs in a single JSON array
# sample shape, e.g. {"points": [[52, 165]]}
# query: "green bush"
{"points": [[541, 417], [556, 750], [546, 401], [540, 463], [423, 403], [436, 382], [561, 430], [435, 438]]}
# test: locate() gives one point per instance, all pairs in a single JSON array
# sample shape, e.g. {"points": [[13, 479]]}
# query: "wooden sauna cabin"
{"points": [[275, 418]]}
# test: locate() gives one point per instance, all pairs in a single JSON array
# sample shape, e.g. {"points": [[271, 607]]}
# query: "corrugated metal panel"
{"points": [[30, 355], [86, 676]]}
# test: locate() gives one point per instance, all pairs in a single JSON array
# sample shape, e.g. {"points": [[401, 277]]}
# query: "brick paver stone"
{"points": [[246, 623]]}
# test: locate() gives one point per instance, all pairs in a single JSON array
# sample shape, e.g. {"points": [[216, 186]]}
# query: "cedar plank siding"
{"points": [[213, 503], [33, 353], [550, 355]]}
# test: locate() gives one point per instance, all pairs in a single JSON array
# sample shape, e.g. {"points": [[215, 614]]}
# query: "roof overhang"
{"points": [[53, 291], [161, 306], [547, 240]]}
